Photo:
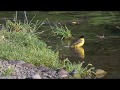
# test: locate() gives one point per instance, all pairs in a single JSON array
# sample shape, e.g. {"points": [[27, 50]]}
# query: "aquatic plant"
{"points": [[61, 30]]}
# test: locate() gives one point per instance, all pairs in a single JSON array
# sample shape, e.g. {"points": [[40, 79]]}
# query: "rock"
{"points": [[36, 76], [62, 73], [73, 72], [100, 73], [16, 62], [28, 65], [43, 68]]}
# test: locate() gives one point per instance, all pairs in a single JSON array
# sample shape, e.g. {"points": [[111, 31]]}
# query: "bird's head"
{"points": [[81, 36]]}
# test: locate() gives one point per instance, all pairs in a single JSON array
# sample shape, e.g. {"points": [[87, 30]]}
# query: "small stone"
{"points": [[28, 65], [62, 73], [43, 68], [45, 74], [100, 73], [36, 76], [16, 62], [73, 72], [49, 76]]}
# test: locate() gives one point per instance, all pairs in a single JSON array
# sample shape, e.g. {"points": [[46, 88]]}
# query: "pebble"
{"points": [[36, 76], [73, 72], [100, 73], [62, 73]]}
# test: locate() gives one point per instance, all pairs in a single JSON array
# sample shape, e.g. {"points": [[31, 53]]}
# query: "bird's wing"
{"points": [[77, 42]]}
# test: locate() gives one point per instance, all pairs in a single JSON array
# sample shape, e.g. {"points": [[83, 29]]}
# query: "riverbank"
{"points": [[17, 69]]}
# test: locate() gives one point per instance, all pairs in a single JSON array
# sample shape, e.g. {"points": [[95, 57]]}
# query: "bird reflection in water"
{"points": [[80, 51]]}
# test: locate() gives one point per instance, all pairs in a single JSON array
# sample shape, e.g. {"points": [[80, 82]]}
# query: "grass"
{"points": [[82, 72], [63, 31], [27, 47], [22, 42], [58, 30]]}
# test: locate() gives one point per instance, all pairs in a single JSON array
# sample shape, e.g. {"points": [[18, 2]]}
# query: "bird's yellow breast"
{"points": [[80, 43]]}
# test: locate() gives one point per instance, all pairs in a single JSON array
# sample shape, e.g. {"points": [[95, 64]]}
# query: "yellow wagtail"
{"points": [[79, 43]]}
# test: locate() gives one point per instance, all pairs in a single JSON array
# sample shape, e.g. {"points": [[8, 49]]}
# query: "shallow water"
{"points": [[103, 54]]}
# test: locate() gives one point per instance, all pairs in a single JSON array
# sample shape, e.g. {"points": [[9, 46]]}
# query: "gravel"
{"points": [[18, 69]]}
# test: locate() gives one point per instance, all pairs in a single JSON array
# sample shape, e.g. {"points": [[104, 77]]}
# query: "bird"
{"points": [[79, 42]]}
